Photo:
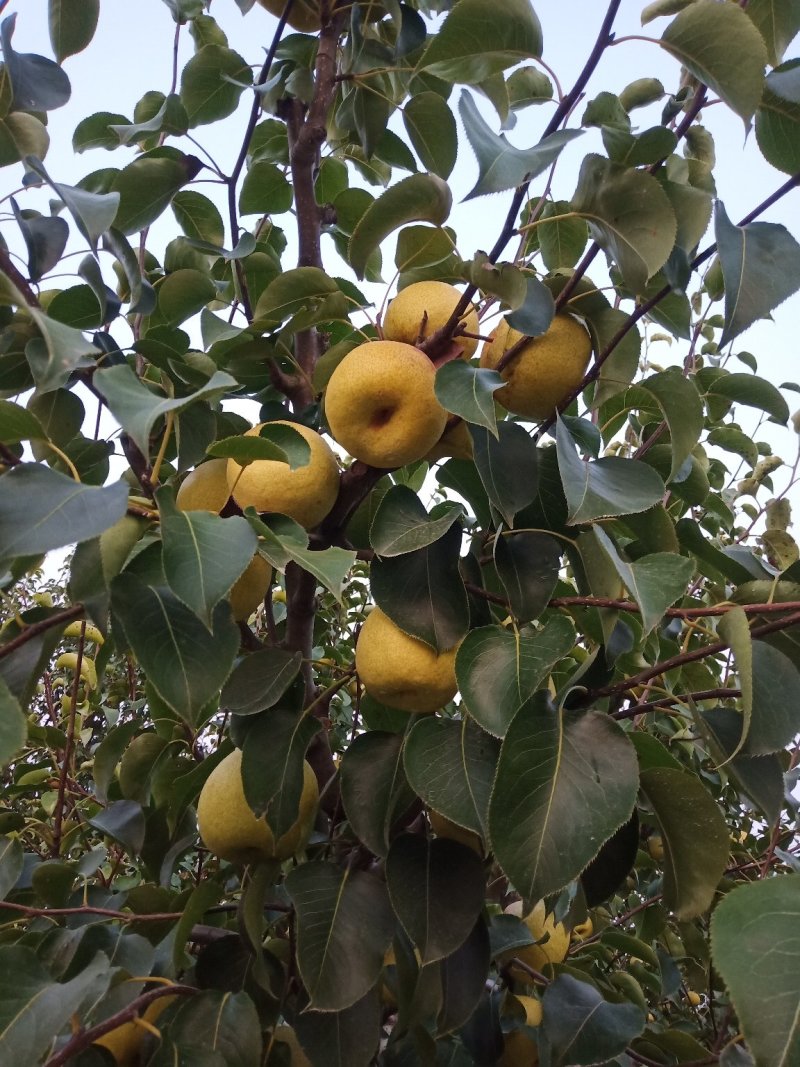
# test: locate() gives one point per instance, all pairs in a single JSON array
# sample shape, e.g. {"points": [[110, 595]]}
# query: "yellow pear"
{"points": [[205, 488], [230, 829], [401, 671], [423, 308], [306, 494], [580, 931], [125, 1041], [455, 442], [287, 1035], [444, 827], [553, 950], [547, 369], [250, 588], [380, 404]]}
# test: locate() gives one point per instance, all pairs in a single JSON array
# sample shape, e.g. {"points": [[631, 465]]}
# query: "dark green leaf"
{"points": [[761, 268], [344, 926], [375, 792], [451, 767], [419, 198], [198, 217], [93, 212], [561, 240], [680, 403], [500, 165], [142, 296], [37, 83], [778, 21], [754, 949], [629, 215], [581, 1027], [778, 130], [272, 765], [137, 409], [753, 392], [606, 487], [72, 25], [45, 239], [507, 467], [213, 1028], [479, 39], [291, 291], [17, 424], [13, 725], [147, 185], [259, 680], [436, 888], [96, 132], [760, 777], [265, 191], [57, 353], [419, 247], [402, 524], [275, 441], [621, 366], [527, 565], [422, 591], [431, 128], [346, 1038], [565, 783], [703, 38], [122, 820], [41, 510], [11, 864], [776, 701], [498, 671], [186, 663], [695, 839], [535, 314]]}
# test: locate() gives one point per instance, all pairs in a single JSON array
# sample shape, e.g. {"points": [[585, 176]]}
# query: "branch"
{"points": [[8, 268], [58, 812], [84, 1038], [667, 702], [36, 628]]}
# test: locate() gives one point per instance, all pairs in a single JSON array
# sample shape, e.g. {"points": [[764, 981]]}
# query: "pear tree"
{"points": [[400, 648]]}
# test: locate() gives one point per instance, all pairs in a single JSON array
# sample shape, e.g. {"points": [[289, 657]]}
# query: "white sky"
{"points": [[132, 53]]}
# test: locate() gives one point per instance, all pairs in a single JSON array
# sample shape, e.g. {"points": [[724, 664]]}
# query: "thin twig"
{"points": [[35, 628]]}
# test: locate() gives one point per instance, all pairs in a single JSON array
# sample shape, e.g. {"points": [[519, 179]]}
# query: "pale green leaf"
{"points": [[479, 38], [735, 630]]}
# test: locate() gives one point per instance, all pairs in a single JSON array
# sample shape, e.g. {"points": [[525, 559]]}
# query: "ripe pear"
{"points": [[229, 828], [401, 671], [444, 827], [455, 442], [250, 588], [125, 1041], [205, 488], [380, 404], [553, 950], [547, 369], [287, 1035], [423, 308], [519, 1049], [306, 494]]}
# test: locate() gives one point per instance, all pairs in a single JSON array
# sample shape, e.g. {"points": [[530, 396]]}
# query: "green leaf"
{"points": [[451, 767], [212, 82], [468, 392], [37, 83], [507, 467], [72, 24], [93, 212], [212, 1028], [535, 314], [776, 692], [655, 581], [57, 353], [344, 926], [183, 293], [498, 671], [142, 295], [137, 409], [479, 38], [265, 190], [760, 777], [659, 8], [695, 839], [581, 1027], [422, 246], [45, 240], [565, 782], [11, 862], [705, 36], [605, 487], [276, 442], [754, 949], [629, 215], [437, 890], [34, 1008], [203, 554], [778, 130], [13, 726], [285, 540], [41, 510], [17, 424], [500, 165], [147, 185], [291, 291], [761, 267], [621, 366], [732, 439], [375, 792], [402, 524], [562, 240], [735, 630], [431, 128], [259, 680], [778, 22], [185, 663], [528, 565], [682, 408], [272, 765], [422, 591], [96, 131], [198, 217], [22, 136], [753, 392]]}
